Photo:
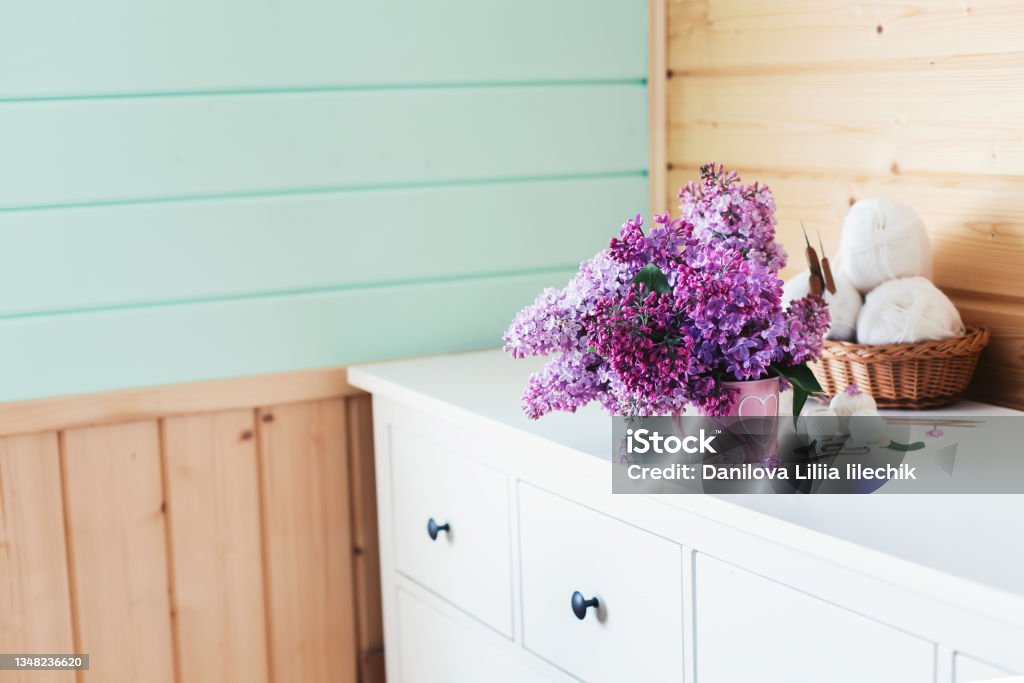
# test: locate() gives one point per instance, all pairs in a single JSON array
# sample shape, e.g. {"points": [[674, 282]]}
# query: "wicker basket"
{"points": [[921, 375]]}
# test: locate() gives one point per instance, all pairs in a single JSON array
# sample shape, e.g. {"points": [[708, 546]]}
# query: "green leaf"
{"points": [[651, 277], [804, 384], [799, 399], [799, 376]]}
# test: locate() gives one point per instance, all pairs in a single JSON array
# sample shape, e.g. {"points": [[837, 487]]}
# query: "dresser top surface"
{"points": [[975, 537]]}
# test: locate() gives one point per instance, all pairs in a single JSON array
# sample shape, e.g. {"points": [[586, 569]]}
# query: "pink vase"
{"points": [[754, 418], [756, 398], [753, 423]]}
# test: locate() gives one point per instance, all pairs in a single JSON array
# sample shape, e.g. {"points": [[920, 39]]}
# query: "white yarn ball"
{"points": [[817, 425], [796, 287], [843, 306], [868, 428], [907, 310], [882, 240], [849, 401]]}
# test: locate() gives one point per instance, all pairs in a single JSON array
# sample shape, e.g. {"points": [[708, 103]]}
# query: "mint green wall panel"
{"points": [[80, 353], [114, 150], [171, 251], [61, 47], [192, 189]]}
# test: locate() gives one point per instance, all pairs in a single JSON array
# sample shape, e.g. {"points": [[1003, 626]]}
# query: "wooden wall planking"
{"points": [[201, 545], [706, 35], [35, 605], [211, 477], [918, 117], [365, 539], [308, 542], [657, 107], [970, 219], [117, 545], [830, 102]]}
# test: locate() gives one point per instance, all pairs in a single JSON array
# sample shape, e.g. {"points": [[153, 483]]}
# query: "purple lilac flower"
{"points": [[553, 322], [728, 214], [662, 247], [807, 322], [642, 337], [642, 352], [568, 381]]}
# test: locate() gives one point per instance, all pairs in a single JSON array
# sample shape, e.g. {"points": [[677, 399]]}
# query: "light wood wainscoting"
{"points": [[830, 101], [216, 531]]}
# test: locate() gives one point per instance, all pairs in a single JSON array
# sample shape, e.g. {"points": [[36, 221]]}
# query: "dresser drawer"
{"points": [[433, 648], [469, 564], [636, 631], [753, 629]]}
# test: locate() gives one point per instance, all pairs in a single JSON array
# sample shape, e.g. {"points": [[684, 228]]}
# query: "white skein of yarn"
{"points": [[882, 240], [868, 428], [907, 310], [849, 401], [817, 425], [843, 306]]}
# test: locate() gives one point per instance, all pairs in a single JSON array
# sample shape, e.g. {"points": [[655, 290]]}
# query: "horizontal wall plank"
{"points": [[971, 220], [961, 116], [193, 250], [113, 150], [1000, 376], [80, 353], [115, 46], [149, 403], [740, 34]]}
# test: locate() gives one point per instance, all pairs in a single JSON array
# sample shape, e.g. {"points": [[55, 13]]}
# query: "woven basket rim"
{"points": [[974, 339]]}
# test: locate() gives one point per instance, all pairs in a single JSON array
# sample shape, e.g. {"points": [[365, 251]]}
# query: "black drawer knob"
{"points": [[433, 528], [580, 605]]}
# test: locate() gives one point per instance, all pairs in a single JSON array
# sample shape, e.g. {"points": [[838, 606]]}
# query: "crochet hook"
{"points": [[817, 283], [826, 268]]}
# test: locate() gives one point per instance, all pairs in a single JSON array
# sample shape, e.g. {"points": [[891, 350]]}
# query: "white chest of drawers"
{"points": [[489, 525]]}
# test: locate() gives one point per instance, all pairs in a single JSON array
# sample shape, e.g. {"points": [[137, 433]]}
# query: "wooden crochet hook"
{"points": [[817, 282], [826, 268]]}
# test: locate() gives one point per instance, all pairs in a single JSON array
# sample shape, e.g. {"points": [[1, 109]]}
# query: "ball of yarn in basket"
{"points": [[843, 306], [907, 310], [883, 240]]}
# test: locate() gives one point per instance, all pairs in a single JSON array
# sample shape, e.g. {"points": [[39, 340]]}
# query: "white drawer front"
{"points": [[434, 649], [636, 632], [752, 629], [470, 564], [968, 670]]}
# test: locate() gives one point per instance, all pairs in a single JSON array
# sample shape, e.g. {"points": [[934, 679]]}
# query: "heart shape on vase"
{"points": [[758, 414], [759, 410]]}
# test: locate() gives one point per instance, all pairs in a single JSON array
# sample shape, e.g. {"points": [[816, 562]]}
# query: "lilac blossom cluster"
{"points": [[726, 213], [711, 314]]}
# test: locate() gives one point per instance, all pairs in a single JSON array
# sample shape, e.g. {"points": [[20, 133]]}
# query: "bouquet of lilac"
{"points": [[661, 320]]}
